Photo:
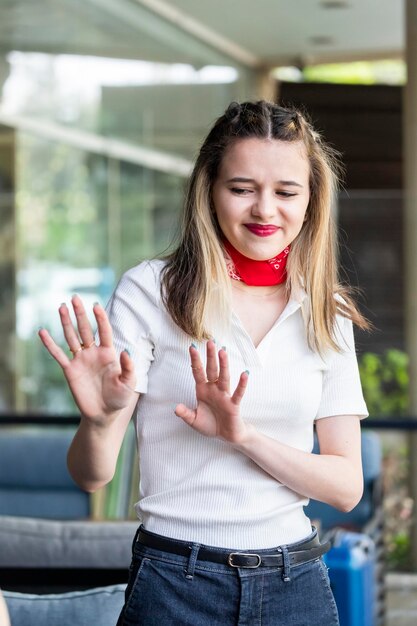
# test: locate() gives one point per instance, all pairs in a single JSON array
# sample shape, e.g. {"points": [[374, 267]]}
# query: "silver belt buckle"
{"points": [[232, 554]]}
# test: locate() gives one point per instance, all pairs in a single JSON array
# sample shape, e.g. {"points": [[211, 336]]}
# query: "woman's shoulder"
{"points": [[146, 273], [343, 325], [144, 278], [135, 305]]}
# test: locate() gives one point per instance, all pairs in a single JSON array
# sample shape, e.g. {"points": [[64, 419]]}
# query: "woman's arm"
{"points": [[334, 476], [93, 453], [102, 385]]}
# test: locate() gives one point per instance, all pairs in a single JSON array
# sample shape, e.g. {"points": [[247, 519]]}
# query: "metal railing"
{"points": [[407, 423]]}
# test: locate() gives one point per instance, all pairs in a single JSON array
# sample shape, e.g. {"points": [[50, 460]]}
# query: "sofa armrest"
{"points": [[37, 543], [45, 556]]}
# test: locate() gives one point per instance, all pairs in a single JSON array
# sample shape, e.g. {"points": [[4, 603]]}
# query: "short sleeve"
{"points": [[134, 314], [342, 390]]}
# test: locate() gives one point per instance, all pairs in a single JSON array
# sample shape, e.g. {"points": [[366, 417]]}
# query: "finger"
{"points": [[197, 366], [127, 377], [104, 329], [241, 388], [212, 368], [224, 374], [70, 335], [55, 351], [186, 414], [83, 324]]}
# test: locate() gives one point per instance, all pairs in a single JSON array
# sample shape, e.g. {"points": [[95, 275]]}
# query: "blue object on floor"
{"points": [[351, 563]]}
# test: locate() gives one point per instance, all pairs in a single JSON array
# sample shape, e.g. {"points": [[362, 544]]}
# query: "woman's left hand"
{"points": [[217, 413]]}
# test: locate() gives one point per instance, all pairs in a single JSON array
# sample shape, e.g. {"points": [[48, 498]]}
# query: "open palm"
{"points": [[101, 383], [217, 413]]}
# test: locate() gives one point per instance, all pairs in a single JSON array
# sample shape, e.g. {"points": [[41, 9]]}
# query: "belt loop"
{"points": [[287, 567], [135, 538], [189, 570]]}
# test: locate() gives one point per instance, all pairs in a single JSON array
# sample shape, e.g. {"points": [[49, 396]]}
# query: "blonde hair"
{"points": [[196, 287]]}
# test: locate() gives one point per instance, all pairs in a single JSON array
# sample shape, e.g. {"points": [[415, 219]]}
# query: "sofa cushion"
{"points": [[100, 606], [45, 503], [34, 478], [31, 542], [22, 453]]}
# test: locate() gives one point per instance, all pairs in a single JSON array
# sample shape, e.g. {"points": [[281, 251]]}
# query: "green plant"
{"points": [[397, 506], [385, 382]]}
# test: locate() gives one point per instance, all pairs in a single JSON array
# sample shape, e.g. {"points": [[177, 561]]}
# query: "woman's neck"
{"points": [[267, 291]]}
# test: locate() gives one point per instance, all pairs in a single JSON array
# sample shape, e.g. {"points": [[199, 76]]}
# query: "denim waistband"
{"points": [[283, 556]]}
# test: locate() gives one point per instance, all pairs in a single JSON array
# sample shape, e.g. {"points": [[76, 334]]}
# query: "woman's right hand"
{"points": [[101, 383]]}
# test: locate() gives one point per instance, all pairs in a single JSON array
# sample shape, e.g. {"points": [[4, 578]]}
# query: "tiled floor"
{"points": [[401, 599]]}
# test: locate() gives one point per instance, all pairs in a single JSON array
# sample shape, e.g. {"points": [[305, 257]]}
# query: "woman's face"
{"points": [[261, 195]]}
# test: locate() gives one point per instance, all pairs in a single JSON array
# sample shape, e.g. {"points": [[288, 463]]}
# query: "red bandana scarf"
{"points": [[259, 273]]}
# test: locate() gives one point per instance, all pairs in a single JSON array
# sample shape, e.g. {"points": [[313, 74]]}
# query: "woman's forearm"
{"points": [[329, 478], [93, 453]]}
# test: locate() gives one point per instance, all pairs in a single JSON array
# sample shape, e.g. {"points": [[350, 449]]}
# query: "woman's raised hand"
{"points": [[217, 413], [101, 383]]}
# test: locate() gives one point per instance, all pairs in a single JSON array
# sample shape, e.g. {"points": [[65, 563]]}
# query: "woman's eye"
{"points": [[285, 194], [239, 191]]}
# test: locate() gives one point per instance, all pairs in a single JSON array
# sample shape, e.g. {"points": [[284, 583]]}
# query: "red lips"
{"points": [[262, 230]]}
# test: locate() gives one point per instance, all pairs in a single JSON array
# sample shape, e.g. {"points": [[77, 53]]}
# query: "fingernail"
{"points": [[96, 304], [40, 328], [224, 348], [194, 346], [213, 340], [63, 304], [247, 372], [126, 350]]}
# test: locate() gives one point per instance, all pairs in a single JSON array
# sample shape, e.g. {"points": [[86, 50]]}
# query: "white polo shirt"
{"points": [[200, 489]]}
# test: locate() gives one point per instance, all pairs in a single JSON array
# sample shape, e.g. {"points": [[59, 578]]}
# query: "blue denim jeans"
{"points": [[165, 589]]}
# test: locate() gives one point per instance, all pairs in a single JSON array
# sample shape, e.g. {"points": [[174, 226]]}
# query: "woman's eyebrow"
{"points": [[242, 179], [289, 183]]}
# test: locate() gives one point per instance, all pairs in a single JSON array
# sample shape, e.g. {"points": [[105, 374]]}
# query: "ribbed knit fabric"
{"points": [[200, 489]]}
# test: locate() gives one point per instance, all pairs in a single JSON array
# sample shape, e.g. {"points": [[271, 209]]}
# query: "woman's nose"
{"points": [[265, 206]]}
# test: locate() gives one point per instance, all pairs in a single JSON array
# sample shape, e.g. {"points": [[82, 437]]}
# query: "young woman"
{"points": [[228, 353]]}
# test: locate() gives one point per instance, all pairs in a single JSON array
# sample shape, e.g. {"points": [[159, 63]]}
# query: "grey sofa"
{"points": [[68, 557], [47, 538], [57, 566]]}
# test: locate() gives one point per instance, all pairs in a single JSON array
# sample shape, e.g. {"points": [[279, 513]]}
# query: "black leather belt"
{"points": [[305, 551]]}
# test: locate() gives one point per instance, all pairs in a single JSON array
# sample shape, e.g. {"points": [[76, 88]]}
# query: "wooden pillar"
{"points": [[265, 86], [410, 244], [8, 388]]}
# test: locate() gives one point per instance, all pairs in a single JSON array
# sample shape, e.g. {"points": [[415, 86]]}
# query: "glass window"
{"points": [[103, 111]]}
